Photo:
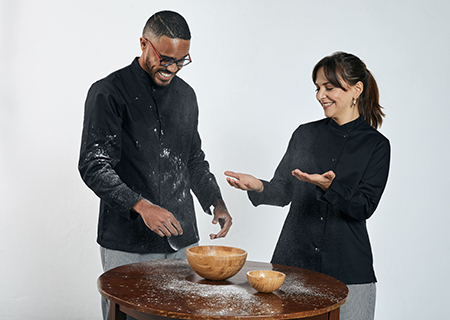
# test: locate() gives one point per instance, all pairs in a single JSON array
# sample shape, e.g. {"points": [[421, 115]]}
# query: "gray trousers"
{"points": [[360, 303], [113, 258]]}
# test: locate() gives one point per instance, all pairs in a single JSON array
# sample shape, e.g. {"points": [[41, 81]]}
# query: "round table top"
{"points": [[170, 288]]}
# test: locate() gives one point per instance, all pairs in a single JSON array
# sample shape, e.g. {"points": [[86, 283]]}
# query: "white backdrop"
{"points": [[252, 74]]}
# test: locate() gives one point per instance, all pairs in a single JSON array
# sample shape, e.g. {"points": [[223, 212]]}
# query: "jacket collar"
{"points": [[349, 126], [136, 67]]}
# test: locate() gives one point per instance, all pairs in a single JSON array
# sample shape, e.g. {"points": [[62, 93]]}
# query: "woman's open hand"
{"points": [[244, 181], [321, 180]]}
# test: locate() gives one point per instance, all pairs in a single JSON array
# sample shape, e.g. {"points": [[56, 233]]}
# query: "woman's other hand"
{"points": [[321, 180]]}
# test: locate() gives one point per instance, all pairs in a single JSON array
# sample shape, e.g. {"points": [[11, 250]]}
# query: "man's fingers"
{"points": [[160, 231], [163, 232], [168, 228], [225, 225], [221, 234], [222, 222], [177, 226], [172, 228]]}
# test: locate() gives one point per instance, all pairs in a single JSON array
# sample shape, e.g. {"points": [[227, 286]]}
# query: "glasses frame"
{"points": [[172, 60]]}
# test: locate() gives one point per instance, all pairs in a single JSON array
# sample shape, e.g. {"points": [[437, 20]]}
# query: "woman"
{"points": [[333, 175]]}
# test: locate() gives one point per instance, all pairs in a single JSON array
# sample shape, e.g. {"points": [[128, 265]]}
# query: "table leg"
{"points": [[115, 313], [143, 316], [334, 315]]}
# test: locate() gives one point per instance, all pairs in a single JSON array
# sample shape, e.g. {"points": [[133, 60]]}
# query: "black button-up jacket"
{"points": [[142, 142], [326, 231]]}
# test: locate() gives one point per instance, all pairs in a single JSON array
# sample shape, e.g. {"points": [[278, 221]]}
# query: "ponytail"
{"points": [[368, 104]]}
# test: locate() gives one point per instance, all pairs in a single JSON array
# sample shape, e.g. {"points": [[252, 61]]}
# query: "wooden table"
{"points": [[169, 288]]}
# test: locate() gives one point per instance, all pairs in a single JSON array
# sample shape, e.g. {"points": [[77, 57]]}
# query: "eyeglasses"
{"points": [[166, 61]]}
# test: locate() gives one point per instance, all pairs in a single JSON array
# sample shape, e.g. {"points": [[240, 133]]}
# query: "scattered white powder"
{"points": [[165, 153], [173, 291]]}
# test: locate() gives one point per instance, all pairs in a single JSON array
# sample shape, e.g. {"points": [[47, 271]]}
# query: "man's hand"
{"points": [[222, 217], [158, 219], [244, 181], [321, 180]]}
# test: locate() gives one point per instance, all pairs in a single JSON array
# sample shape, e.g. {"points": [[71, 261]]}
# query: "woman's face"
{"points": [[337, 103]]}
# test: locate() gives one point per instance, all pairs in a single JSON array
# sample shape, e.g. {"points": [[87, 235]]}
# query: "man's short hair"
{"points": [[169, 24]]}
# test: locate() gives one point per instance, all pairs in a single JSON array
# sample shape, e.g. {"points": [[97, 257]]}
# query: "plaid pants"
{"points": [[360, 304]]}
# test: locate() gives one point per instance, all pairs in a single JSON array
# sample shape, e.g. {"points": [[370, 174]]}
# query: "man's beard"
{"points": [[153, 77]]}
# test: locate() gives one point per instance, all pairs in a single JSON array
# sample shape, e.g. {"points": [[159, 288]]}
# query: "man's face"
{"points": [[165, 47]]}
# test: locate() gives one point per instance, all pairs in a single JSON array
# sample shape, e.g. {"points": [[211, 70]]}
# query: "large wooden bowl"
{"points": [[265, 281], [216, 262]]}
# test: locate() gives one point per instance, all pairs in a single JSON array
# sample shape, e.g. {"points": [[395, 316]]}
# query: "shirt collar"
{"points": [[349, 126], [140, 72], [146, 77]]}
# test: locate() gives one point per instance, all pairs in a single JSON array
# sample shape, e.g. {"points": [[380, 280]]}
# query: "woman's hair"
{"points": [[344, 68], [169, 24]]}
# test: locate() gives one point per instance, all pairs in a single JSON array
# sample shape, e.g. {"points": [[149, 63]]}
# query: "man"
{"points": [[141, 153]]}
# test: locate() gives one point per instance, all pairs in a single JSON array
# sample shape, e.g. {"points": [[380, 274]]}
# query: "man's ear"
{"points": [[143, 43]]}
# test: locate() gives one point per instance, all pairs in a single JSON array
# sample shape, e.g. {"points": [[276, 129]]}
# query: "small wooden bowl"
{"points": [[265, 281], [216, 262]]}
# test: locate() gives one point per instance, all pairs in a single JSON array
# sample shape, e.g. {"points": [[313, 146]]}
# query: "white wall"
{"points": [[251, 71]]}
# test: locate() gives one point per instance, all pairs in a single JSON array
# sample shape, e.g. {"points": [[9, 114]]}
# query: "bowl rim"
{"points": [[244, 252], [278, 273]]}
